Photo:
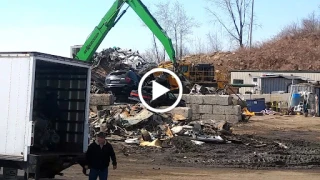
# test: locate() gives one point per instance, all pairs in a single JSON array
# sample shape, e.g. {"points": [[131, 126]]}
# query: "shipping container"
{"points": [[42, 89]]}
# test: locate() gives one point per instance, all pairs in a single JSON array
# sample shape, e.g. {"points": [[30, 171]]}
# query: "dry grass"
{"points": [[296, 47]]}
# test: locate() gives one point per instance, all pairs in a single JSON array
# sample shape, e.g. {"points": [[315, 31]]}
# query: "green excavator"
{"points": [[111, 18]]}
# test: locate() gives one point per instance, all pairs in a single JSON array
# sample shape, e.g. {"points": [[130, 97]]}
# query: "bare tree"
{"points": [[214, 43], [251, 23], [155, 47], [237, 20], [185, 25], [176, 23], [289, 30], [311, 24], [153, 54], [199, 46], [163, 16], [307, 25], [185, 50], [148, 55]]}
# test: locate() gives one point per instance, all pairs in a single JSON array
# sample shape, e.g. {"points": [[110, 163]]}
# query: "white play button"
{"points": [[158, 90]]}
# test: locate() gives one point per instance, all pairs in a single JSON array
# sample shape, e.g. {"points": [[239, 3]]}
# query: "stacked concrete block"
{"points": [[98, 101], [101, 99], [184, 111], [205, 109], [216, 107]]}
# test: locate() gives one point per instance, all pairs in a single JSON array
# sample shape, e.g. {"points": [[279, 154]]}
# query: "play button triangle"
{"points": [[158, 90]]}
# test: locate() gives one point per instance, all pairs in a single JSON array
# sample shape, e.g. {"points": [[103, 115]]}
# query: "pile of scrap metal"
{"points": [[46, 113], [111, 59], [198, 89], [125, 120], [227, 89], [116, 55], [45, 137], [134, 124]]}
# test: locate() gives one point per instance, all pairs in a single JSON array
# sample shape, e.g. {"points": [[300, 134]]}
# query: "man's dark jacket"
{"points": [[99, 158]]}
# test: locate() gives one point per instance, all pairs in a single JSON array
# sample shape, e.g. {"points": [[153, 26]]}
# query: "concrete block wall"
{"points": [[216, 107]]}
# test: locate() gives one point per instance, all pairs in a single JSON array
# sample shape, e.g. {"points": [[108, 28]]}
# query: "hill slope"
{"points": [[292, 52]]}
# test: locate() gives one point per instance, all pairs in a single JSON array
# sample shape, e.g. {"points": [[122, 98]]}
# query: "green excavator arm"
{"points": [[111, 18]]}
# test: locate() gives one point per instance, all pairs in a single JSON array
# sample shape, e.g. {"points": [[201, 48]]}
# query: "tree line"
{"points": [[236, 18]]}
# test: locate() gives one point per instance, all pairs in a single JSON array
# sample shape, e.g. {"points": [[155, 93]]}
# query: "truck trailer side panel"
{"points": [[44, 111], [15, 106]]}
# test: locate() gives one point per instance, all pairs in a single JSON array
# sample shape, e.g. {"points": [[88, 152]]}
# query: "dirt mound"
{"points": [[300, 51]]}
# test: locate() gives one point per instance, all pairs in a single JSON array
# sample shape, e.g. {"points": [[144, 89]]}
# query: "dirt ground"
{"points": [[269, 147], [137, 171], [282, 127]]}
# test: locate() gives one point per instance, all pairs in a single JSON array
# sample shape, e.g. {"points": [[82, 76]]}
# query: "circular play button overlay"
{"points": [[159, 90]]}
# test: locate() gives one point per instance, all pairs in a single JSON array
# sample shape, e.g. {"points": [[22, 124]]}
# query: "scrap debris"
{"points": [[134, 124], [113, 56], [45, 137], [112, 59], [198, 89]]}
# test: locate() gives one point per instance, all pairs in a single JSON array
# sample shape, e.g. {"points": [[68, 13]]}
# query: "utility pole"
{"points": [[251, 24]]}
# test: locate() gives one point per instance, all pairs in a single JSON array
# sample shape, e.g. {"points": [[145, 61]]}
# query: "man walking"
{"points": [[98, 158]]}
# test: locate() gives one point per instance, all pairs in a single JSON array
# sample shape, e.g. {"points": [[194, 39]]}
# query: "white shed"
{"points": [[253, 77]]}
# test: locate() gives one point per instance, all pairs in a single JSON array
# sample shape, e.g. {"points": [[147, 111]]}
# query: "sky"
{"points": [[53, 26]]}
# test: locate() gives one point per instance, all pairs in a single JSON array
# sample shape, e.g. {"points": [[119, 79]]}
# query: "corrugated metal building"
{"points": [[279, 83], [253, 77]]}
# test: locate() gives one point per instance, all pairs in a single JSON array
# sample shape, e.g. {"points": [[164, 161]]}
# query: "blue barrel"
{"points": [[295, 100], [256, 105]]}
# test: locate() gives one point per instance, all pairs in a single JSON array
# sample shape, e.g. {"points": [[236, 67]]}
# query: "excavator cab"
{"points": [[185, 69]]}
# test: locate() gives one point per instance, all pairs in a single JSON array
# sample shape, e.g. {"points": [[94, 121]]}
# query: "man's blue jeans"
{"points": [[94, 173]]}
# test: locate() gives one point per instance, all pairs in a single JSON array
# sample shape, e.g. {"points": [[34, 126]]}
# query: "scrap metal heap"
{"points": [[45, 137], [115, 58], [45, 113], [134, 124]]}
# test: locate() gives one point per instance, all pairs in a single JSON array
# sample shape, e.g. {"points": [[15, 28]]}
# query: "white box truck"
{"points": [[44, 106]]}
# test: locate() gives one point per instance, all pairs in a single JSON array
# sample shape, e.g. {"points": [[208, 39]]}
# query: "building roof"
{"points": [[287, 77], [276, 71]]}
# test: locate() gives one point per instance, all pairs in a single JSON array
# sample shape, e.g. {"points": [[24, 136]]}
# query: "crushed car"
{"points": [[166, 99], [122, 82]]}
